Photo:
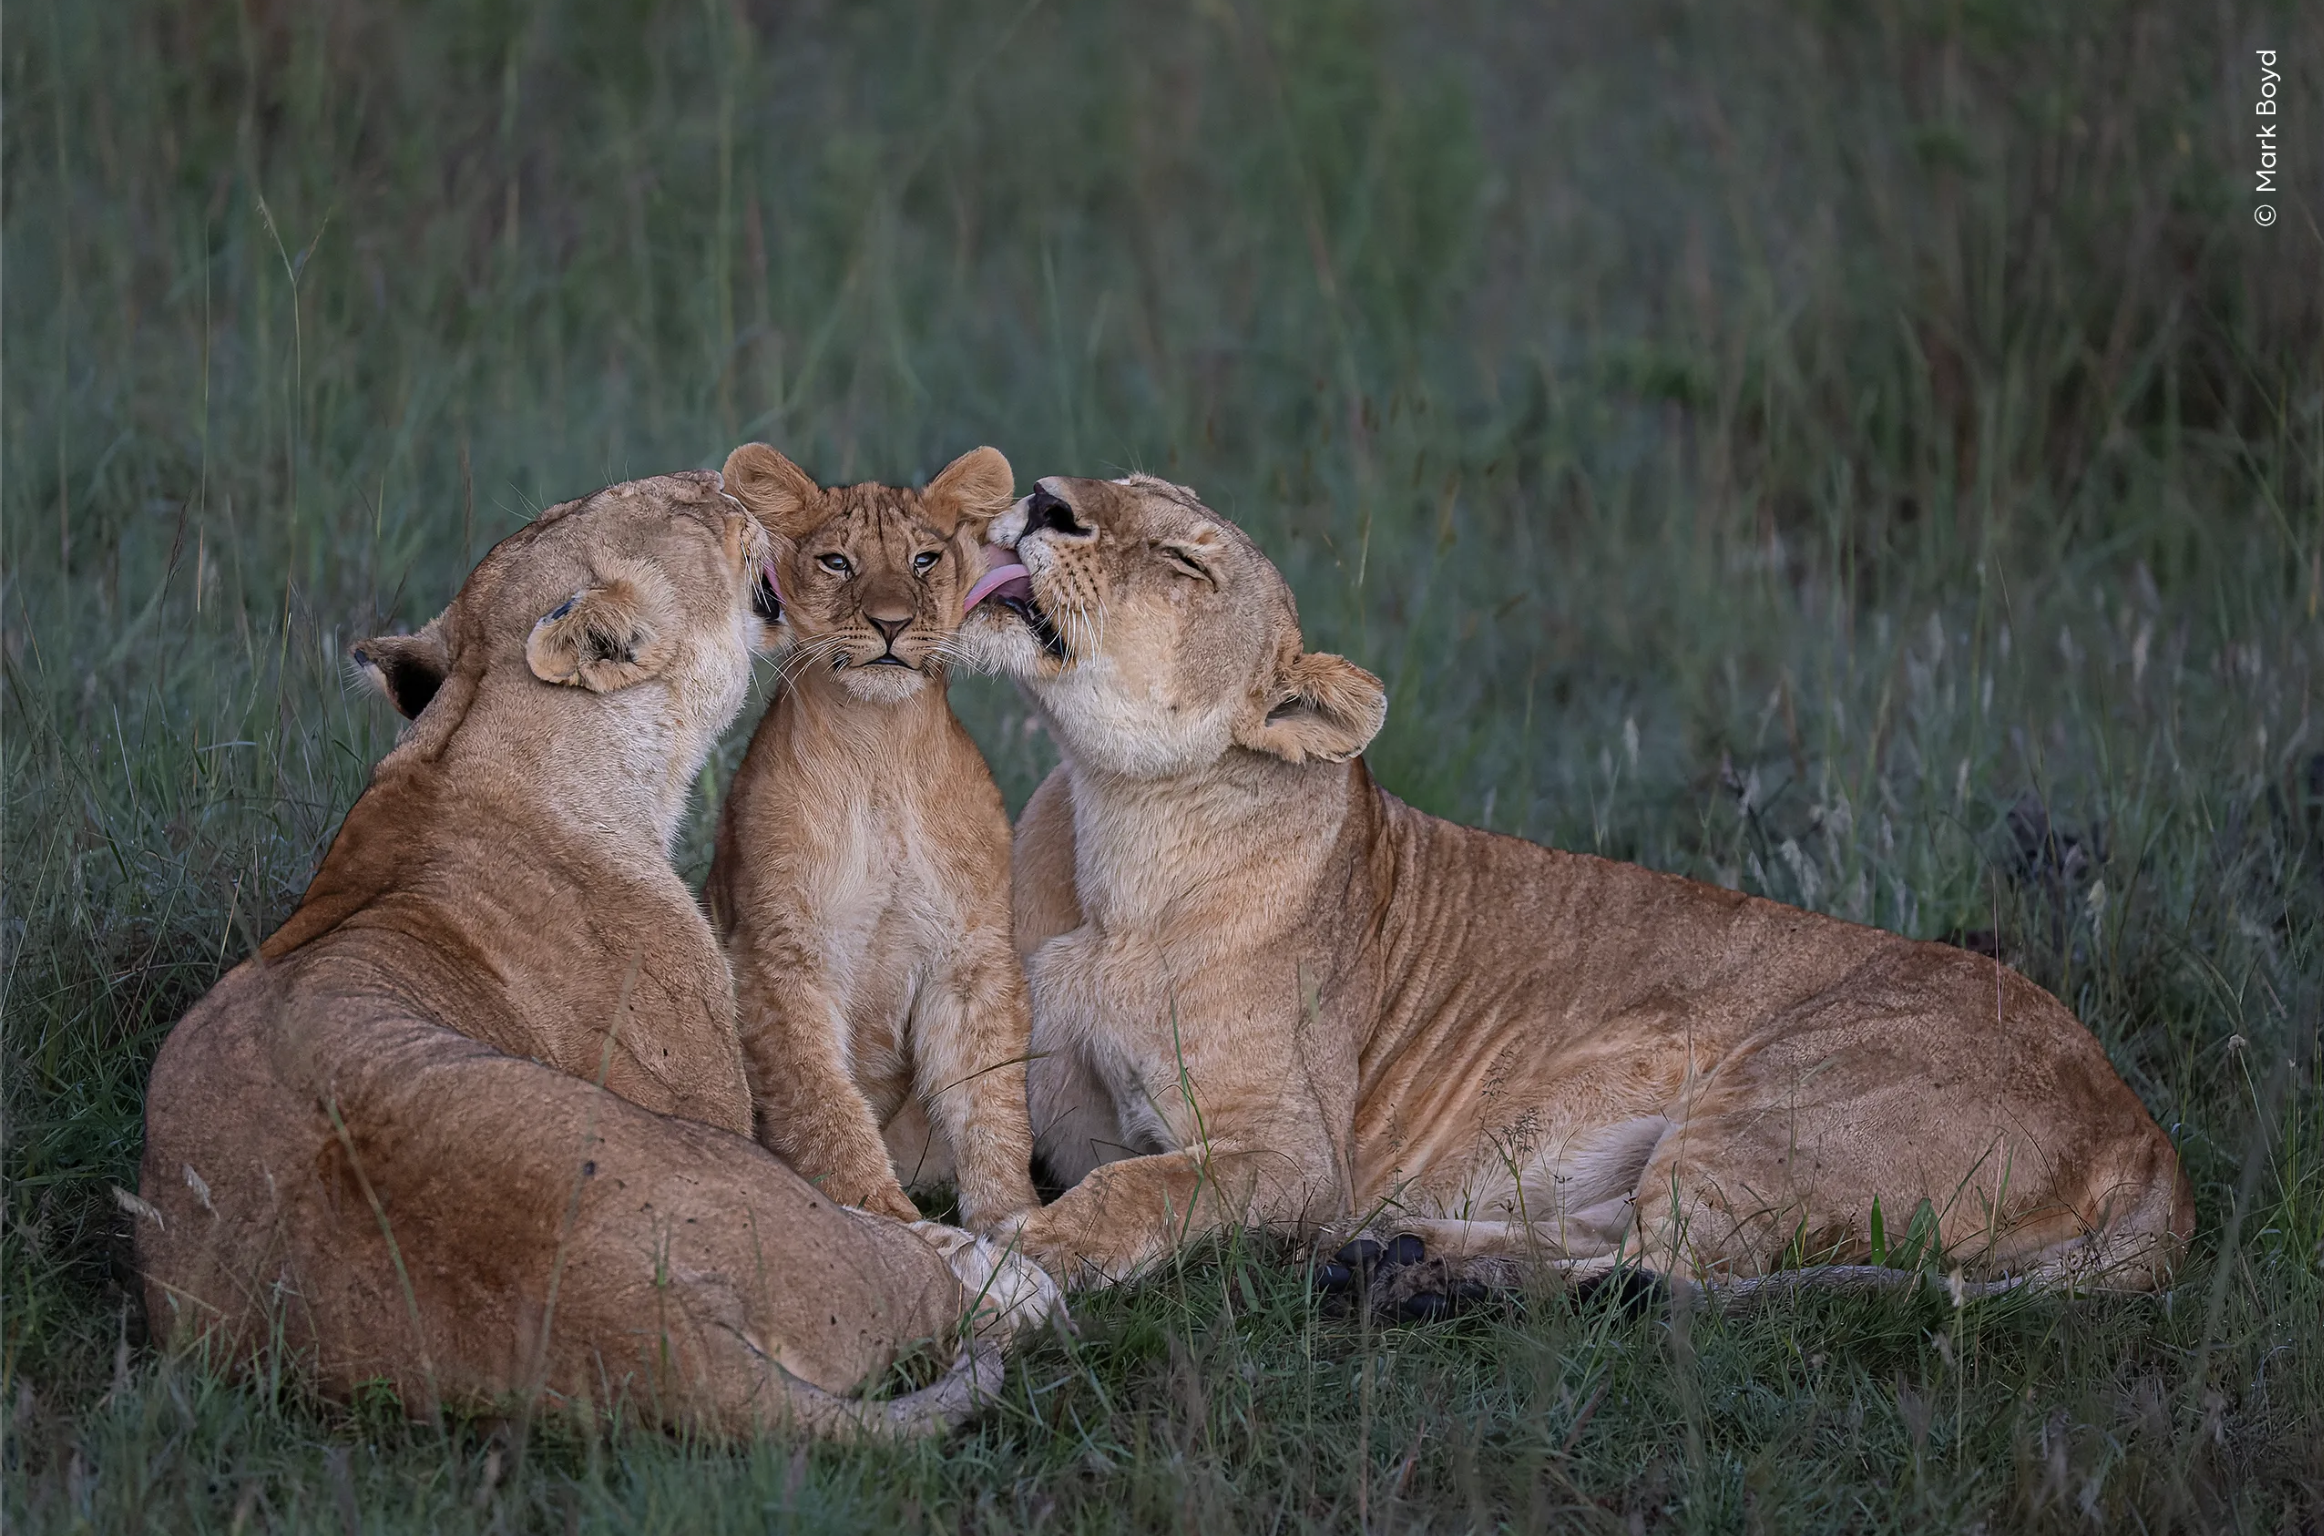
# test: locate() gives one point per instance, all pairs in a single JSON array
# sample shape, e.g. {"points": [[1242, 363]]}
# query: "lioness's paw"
{"points": [[1365, 1258], [1396, 1280], [1007, 1292]]}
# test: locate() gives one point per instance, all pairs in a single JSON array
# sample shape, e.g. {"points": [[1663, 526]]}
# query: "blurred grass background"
{"points": [[1863, 454]]}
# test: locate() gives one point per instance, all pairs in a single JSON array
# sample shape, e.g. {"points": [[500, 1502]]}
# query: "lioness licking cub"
{"points": [[1266, 991]]}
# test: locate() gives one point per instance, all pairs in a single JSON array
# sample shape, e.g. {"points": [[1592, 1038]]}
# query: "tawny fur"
{"points": [[474, 1120], [861, 877], [1265, 990]]}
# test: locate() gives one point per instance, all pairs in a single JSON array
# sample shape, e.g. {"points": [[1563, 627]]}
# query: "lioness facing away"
{"points": [[1264, 990], [473, 1121], [861, 881]]}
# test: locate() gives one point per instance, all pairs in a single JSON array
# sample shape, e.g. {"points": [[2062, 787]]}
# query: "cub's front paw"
{"points": [[891, 1201]]}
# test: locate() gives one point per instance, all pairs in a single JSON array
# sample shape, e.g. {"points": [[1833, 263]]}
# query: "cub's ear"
{"points": [[606, 637], [973, 490], [407, 668], [781, 495], [1325, 707]]}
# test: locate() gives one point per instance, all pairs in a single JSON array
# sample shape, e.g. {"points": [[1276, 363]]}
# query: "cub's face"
{"points": [[871, 577], [1157, 637], [661, 581]]}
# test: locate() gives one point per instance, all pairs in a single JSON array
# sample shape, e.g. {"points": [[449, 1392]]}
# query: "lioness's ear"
{"points": [[777, 492], [1326, 707], [605, 637], [407, 668], [1199, 554], [973, 489]]}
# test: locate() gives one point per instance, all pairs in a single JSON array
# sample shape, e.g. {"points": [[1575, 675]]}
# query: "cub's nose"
{"points": [[889, 616]]}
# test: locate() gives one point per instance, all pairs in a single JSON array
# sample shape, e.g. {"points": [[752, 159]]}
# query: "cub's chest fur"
{"points": [[886, 912]]}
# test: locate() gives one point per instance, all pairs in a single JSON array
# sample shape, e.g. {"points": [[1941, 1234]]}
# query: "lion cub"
{"points": [[862, 871]]}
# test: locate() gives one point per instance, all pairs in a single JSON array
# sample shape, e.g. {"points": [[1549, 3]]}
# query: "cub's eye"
{"points": [[836, 563], [926, 558]]}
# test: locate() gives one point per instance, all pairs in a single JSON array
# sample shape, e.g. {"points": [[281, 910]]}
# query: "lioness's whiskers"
{"points": [[1084, 625]]}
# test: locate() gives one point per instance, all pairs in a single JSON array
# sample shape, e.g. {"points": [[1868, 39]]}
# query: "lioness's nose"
{"points": [[889, 615], [1046, 511]]}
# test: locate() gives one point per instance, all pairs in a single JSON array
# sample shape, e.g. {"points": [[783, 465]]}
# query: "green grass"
{"points": [[1862, 454]]}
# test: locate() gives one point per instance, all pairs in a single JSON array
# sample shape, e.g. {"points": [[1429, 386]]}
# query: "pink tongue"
{"points": [[1010, 580]]}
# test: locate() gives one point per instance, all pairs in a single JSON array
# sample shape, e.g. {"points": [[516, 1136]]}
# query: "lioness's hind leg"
{"points": [[1866, 1137]]}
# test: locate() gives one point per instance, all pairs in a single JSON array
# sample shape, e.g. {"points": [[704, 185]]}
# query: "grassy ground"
{"points": [[1867, 455]]}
